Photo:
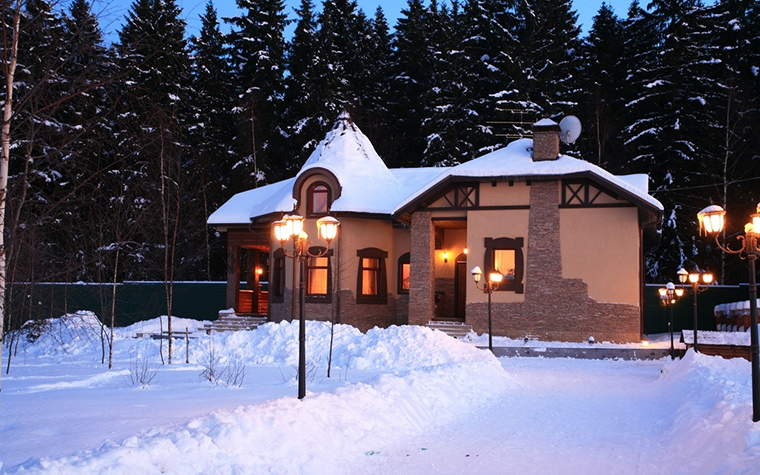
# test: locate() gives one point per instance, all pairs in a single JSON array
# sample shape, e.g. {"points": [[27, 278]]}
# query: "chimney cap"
{"points": [[545, 125]]}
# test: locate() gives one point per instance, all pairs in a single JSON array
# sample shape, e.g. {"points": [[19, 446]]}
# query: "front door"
{"points": [[460, 289]]}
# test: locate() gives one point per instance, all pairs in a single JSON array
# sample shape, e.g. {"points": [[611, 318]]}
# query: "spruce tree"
{"points": [[88, 119], [548, 58], [667, 133], [412, 78], [728, 130], [210, 126], [37, 163], [258, 48], [601, 107], [154, 57], [302, 97]]}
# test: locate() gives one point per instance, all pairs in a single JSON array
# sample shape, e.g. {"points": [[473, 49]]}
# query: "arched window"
{"points": [[318, 199], [371, 280]]}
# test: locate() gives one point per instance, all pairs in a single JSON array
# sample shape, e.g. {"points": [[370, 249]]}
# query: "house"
{"points": [[567, 236]]}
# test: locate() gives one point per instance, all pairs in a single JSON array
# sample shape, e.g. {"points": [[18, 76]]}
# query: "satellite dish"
{"points": [[570, 129]]}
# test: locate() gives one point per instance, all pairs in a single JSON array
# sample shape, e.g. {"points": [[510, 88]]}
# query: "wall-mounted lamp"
{"points": [[445, 256], [466, 250]]}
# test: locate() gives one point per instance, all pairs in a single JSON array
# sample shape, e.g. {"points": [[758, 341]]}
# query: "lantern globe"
{"points": [[281, 230], [328, 227], [712, 219], [295, 224], [477, 273]]}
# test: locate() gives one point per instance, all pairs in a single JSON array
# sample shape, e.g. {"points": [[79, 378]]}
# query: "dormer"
{"points": [[317, 189]]}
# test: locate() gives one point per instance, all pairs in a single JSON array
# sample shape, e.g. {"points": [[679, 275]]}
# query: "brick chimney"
{"points": [[545, 140]]}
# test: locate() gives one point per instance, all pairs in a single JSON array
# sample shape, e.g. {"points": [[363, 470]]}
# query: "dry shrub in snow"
{"points": [[216, 370]]}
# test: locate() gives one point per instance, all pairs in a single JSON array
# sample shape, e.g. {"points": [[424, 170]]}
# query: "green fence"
{"points": [[135, 301], [656, 314]]}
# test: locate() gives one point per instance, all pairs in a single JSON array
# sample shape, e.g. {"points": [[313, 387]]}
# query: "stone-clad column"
{"points": [[422, 269], [543, 270]]}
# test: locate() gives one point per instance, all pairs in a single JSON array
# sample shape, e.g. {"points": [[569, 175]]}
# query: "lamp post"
{"points": [[693, 278], [291, 227], [669, 295], [712, 220], [490, 284]]}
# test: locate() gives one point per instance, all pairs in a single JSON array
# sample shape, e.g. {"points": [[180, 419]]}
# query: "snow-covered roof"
{"points": [[366, 183], [515, 160], [368, 186], [239, 209]]}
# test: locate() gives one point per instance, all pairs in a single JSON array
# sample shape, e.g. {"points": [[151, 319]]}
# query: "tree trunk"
{"points": [[113, 304], [9, 70]]}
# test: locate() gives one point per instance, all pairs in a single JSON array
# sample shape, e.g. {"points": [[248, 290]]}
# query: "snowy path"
{"points": [[582, 416]]}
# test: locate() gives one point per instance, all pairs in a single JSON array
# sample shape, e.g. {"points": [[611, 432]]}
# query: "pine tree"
{"points": [[547, 59], [210, 128], [89, 137], [37, 162], [668, 128], [258, 62], [302, 97], [412, 77], [728, 130], [156, 65], [601, 105], [372, 80], [341, 46]]}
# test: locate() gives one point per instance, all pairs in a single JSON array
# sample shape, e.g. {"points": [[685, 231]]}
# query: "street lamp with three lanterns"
{"points": [[669, 295], [489, 285], [290, 227], [694, 278], [712, 219]]}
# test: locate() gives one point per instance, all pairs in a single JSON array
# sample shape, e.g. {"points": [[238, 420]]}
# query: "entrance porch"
{"points": [[248, 265]]}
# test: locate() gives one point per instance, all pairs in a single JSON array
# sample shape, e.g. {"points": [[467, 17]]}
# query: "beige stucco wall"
{"points": [[601, 247], [504, 195], [509, 223], [363, 233], [353, 234], [480, 225]]}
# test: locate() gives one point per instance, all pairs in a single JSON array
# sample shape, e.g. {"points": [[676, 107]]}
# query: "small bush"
{"points": [[141, 372]]}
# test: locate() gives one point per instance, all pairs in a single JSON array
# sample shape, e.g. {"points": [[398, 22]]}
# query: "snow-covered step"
{"points": [[455, 329], [235, 322]]}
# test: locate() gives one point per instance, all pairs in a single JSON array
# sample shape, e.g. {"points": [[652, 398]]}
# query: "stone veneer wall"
{"points": [[422, 278], [555, 308], [362, 316]]}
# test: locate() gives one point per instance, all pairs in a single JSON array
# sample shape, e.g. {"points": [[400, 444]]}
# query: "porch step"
{"points": [[235, 322], [454, 329]]}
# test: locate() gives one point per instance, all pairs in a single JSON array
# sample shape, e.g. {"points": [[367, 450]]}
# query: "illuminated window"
{"points": [[370, 276], [278, 276], [504, 262], [404, 269], [505, 255], [318, 281], [371, 282], [319, 200]]}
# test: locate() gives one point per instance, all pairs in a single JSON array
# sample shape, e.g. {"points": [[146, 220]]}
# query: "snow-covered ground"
{"points": [[399, 400]]}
